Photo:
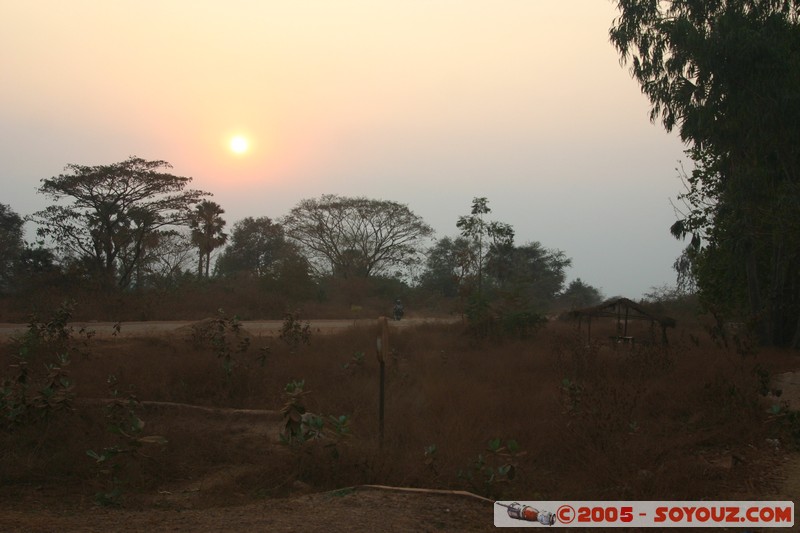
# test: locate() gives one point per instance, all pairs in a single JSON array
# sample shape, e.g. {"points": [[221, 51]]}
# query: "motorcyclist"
{"points": [[398, 309]]}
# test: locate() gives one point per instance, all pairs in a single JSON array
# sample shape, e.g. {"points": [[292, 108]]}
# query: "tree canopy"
{"points": [[207, 232], [114, 214], [447, 266], [531, 275], [579, 294], [257, 248], [11, 244], [356, 237], [498, 279], [727, 75], [487, 237]]}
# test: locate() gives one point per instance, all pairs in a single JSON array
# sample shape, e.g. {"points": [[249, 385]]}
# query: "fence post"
{"points": [[383, 349]]}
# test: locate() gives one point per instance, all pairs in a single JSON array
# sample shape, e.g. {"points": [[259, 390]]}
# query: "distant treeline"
{"points": [[131, 241]]}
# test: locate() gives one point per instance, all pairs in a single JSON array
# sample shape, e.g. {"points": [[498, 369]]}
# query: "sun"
{"points": [[239, 144]]}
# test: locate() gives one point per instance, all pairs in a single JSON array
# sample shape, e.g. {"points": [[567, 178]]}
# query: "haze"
{"points": [[429, 103]]}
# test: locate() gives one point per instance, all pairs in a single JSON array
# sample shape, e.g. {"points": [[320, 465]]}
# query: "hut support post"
{"points": [[625, 331]]}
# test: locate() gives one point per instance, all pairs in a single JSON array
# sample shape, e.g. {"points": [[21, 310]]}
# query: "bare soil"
{"points": [[217, 501], [788, 487], [360, 509]]}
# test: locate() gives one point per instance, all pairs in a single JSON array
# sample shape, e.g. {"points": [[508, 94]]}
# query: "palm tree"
{"points": [[207, 234]]}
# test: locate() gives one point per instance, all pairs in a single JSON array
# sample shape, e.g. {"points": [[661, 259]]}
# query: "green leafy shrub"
{"points": [[227, 340], [493, 469], [301, 426], [294, 332], [39, 384], [128, 431]]}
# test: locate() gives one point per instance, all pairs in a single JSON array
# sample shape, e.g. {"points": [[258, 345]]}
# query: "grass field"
{"points": [[551, 417]]}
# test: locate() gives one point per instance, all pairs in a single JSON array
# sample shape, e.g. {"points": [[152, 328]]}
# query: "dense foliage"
{"points": [[11, 244], [727, 75], [115, 214]]}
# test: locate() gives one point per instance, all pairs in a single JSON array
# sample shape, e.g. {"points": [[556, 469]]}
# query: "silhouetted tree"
{"points": [[258, 248], [447, 266], [207, 232], [726, 74], [169, 257], [487, 237], [579, 294], [356, 237], [113, 213], [11, 244], [530, 275]]}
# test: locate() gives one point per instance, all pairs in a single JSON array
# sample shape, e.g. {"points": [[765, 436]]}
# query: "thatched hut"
{"points": [[623, 310]]}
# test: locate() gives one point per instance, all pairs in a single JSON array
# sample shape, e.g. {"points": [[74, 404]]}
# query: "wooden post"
{"points": [[589, 337], [383, 349], [625, 333]]}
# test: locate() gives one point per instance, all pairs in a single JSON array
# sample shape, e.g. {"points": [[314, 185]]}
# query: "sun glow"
{"points": [[239, 144]]}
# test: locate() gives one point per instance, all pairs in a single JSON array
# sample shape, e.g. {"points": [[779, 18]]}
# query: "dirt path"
{"points": [[352, 509], [788, 383], [257, 327]]}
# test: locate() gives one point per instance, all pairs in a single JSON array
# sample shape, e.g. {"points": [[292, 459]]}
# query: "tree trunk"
{"points": [[796, 340], [754, 298]]}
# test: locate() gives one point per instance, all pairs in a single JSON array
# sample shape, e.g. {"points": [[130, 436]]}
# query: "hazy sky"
{"points": [[425, 102]]}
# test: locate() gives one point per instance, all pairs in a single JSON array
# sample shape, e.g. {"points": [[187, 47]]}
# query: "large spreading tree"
{"points": [[357, 237], [726, 74], [113, 213]]}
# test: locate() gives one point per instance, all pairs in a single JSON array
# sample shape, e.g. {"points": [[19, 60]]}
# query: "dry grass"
{"points": [[193, 299], [596, 421]]}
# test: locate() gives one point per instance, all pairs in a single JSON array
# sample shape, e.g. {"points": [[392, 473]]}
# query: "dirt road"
{"points": [[256, 327]]}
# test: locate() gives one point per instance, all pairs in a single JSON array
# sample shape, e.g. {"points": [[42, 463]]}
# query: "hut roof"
{"points": [[618, 306]]}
